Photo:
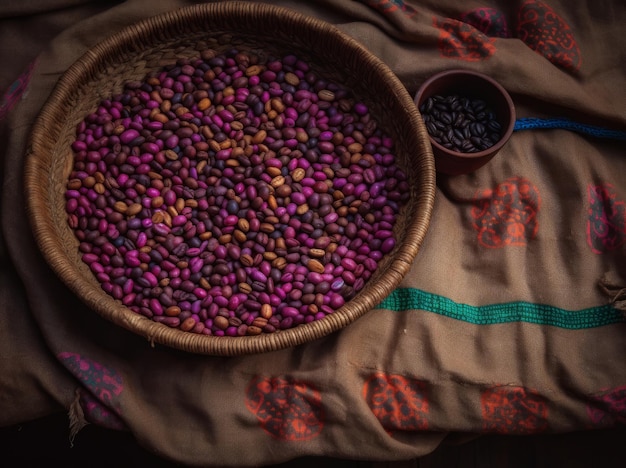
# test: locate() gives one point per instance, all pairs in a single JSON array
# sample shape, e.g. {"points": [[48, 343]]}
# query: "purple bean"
{"points": [[167, 229]]}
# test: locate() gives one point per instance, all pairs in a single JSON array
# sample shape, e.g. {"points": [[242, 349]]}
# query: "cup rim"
{"points": [[508, 130]]}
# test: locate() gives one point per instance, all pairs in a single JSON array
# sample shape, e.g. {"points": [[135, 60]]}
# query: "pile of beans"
{"points": [[230, 195], [462, 124]]}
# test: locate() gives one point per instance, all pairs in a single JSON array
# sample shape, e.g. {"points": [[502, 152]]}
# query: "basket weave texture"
{"points": [[161, 40]]}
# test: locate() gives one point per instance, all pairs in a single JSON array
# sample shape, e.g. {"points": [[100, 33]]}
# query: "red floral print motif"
{"points": [[391, 6], [488, 21], [606, 222], [513, 410], [545, 32], [100, 403], [506, 215], [462, 41], [286, 408], [15, 91], [608, 409], [398, 402]]}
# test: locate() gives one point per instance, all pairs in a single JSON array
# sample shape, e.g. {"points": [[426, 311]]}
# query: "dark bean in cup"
{"points": [[459, 123]]}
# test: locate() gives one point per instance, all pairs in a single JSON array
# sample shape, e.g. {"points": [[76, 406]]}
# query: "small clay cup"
{"points": [[472, 85]]}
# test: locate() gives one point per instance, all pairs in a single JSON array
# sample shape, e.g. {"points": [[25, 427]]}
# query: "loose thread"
{"points": [[76, 416]]}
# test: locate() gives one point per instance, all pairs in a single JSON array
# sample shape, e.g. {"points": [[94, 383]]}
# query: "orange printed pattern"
{"points": [[398, 402], [513, 410], [546, 32], [489, 21], [286, 408], [462, 41], [392, 6], [507, 215]]}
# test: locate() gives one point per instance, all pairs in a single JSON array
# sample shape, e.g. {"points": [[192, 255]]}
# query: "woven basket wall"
{"points": [[149, 45]]}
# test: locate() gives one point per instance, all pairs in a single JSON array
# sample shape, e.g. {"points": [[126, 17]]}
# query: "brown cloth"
{"points": [[511, 320]]}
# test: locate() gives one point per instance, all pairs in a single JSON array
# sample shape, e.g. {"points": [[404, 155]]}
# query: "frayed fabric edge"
{"points": [[77, 417], [617, 294]]}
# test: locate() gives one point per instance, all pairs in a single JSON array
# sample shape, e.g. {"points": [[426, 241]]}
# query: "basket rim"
{"points": [[127, 39]]}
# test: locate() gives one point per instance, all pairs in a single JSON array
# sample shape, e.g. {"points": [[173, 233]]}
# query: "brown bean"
{"points": [[266, 311], [316, 266], [172, 311], [221, 322]]}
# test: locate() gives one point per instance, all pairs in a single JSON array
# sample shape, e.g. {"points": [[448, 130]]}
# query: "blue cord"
{"points": [[598, 132]]}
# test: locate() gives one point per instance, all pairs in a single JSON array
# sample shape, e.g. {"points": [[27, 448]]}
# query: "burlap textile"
{"points": [[511, 320]]}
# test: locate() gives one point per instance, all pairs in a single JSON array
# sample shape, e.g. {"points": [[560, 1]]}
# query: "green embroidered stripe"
{"points": [[404, 299]]}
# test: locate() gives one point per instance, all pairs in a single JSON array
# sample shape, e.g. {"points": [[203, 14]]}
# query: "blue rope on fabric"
{"points": [[565, 124]]}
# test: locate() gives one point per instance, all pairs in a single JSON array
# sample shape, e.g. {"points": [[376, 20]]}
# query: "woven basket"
{"points": [[161, 40]]}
